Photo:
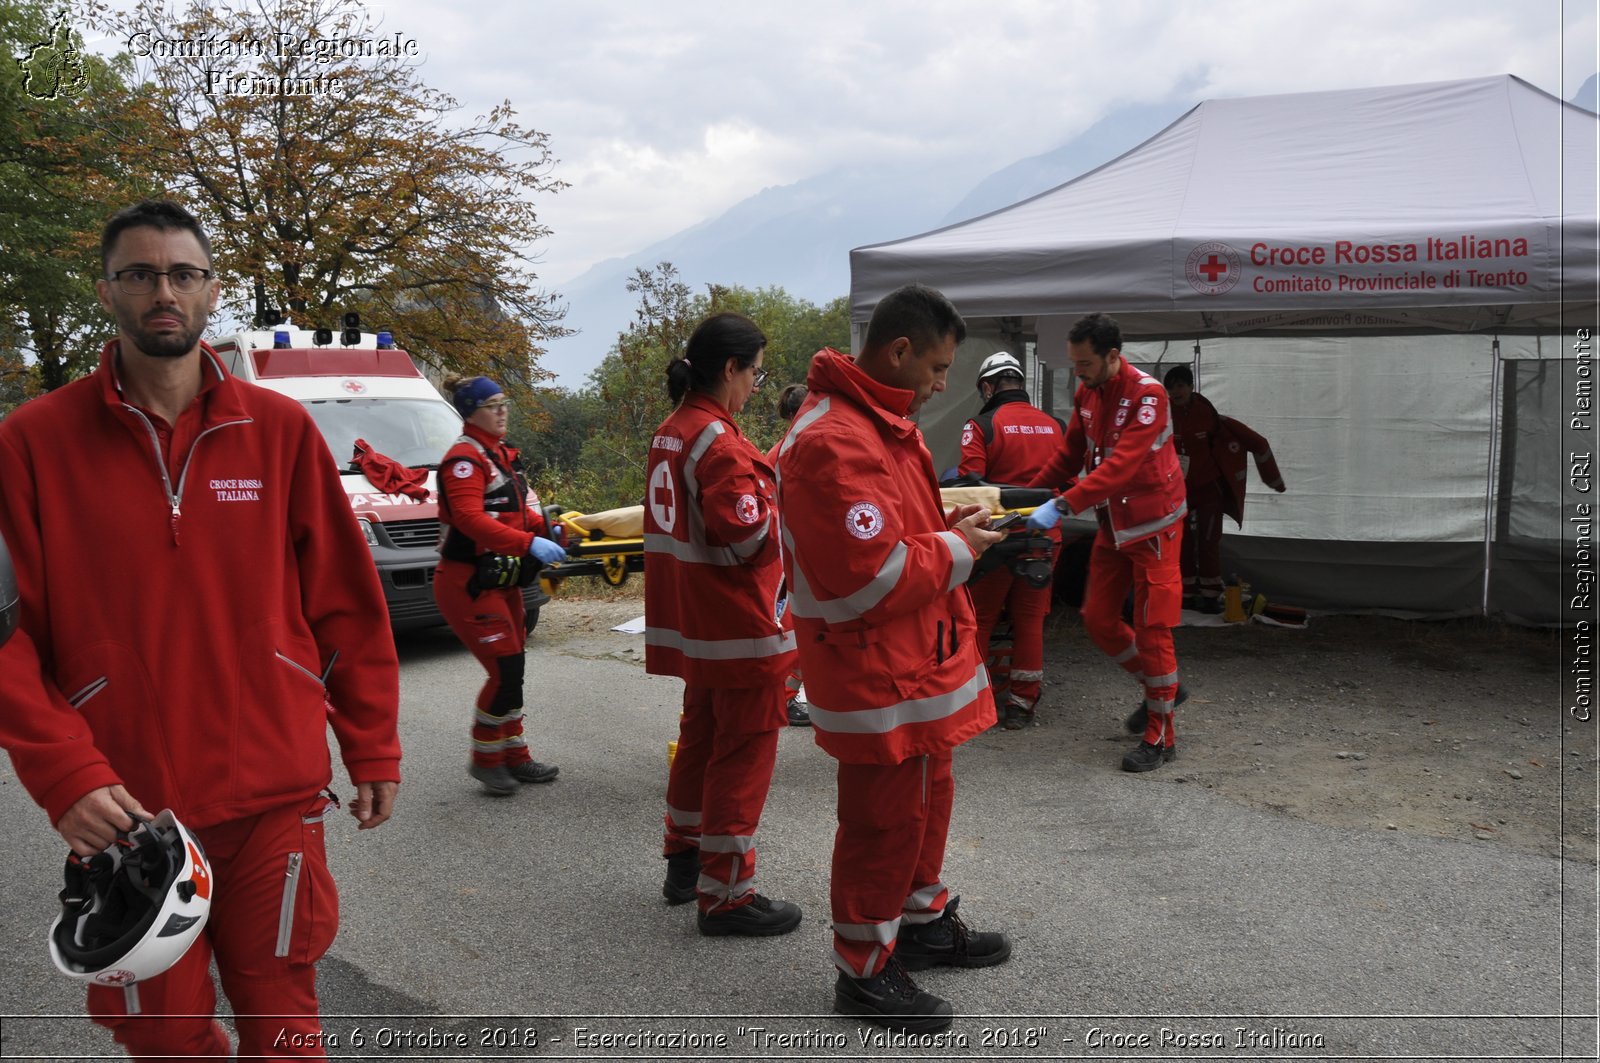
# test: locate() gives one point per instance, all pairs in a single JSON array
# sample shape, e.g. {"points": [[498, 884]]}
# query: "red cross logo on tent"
{"points": [[864, 520], [354, 387], [663, 497], [1212, 268]]}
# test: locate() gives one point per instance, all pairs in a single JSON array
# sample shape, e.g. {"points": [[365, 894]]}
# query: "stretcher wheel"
{"points": [[614, 570]]}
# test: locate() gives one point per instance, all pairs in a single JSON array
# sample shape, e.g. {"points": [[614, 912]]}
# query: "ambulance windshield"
{"points": [[414, 432]]}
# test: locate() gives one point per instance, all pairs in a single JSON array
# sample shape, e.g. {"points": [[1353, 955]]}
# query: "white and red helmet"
{"points": [[133, 909], [999, 364]]}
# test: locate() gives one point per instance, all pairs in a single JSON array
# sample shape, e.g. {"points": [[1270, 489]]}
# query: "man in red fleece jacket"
{"points": [[189, 629]]}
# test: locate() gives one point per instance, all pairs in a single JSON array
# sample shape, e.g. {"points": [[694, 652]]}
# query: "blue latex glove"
{"points": [[546, 552], [1044, 517]]}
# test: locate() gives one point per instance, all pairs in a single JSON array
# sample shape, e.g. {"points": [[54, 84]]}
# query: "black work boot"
{"points": [[1016, 715], [948, 942], [532, 772], [891, 999], [683, 872], [762, 917], [798, 715], [1147, 756], [1139, 717]]}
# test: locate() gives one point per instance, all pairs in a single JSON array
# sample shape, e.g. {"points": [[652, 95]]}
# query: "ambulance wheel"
{"points": [[614, 570], [530, 619]]}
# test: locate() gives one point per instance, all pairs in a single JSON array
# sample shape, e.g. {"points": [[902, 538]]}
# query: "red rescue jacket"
{"points": [[1216, 448], [1119, 446], [485, 503], [714, 610], [179, 620], [887, 636]]}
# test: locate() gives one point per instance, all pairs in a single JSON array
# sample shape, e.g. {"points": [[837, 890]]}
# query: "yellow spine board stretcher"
{"points": [[610, 543]]}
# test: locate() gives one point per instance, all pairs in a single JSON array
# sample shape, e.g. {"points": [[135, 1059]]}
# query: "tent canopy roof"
{"points": [[1457, 205]]}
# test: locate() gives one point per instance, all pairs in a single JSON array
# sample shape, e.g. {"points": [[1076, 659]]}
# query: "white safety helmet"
{"points": [[996, 364], [132, 910]]}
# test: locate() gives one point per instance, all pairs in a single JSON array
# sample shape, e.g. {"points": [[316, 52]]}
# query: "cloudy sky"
{"points": [[665, 114]]}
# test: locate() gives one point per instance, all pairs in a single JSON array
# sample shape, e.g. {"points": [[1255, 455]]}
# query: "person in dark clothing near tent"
{"points": [[1211, 449]]}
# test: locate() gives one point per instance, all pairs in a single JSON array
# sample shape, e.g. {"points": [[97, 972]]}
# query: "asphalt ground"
{"points": [[1149, 919]]}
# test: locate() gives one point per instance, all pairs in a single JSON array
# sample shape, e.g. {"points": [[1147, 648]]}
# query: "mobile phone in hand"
{"points": [[1002, 523]]}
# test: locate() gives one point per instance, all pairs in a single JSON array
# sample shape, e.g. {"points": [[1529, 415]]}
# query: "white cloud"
{"points": [[665, 115]]}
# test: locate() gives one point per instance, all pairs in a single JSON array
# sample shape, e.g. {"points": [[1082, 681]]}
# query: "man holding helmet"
{"points": [[1009, 442], [188, 632]]}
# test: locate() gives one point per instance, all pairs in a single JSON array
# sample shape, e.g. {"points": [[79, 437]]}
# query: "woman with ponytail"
{"points": [[715, 617]]}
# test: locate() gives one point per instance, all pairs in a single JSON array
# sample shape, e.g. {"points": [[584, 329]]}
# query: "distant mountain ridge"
{"points": [[799, 236]]}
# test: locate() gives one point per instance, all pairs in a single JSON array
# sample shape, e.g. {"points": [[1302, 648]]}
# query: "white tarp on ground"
{"points": [[1327, 251]]}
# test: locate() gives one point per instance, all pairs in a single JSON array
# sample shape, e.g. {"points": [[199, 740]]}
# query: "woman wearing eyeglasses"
{"points": [[714, 618], [494, 545]]}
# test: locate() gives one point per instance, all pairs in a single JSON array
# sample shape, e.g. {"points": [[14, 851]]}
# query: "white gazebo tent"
{"points": [[1388, 283]]}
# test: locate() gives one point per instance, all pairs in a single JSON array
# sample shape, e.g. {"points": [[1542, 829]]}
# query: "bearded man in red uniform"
{"points": [[888, 644], [1119, 460], [198, 664], [1008, 442]]}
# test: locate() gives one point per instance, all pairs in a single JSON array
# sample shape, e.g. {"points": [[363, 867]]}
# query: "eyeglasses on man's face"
{"points": [[185, 280]]}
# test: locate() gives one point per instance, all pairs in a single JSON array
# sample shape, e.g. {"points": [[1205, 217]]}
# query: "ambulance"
{"points": [[363, 387]]}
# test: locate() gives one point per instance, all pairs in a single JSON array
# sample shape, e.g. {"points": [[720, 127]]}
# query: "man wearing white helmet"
{"points": [[1009, 442]]}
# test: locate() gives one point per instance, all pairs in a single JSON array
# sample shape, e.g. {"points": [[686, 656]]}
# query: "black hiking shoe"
{"points": [[762, 917], [532, 772], [683, 873], [497, 781], [1141, 716], [948, 942], [1148, 757], [891, 999], [798, 716]]}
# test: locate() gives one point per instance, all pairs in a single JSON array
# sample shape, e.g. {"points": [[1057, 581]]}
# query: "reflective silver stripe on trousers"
{"points": [[914, 710], [883, 933], [291, 889], [727, 843], [1161, 680], [918, 901], [682, 818], [514, 741], [1026, 677], [720, 649], [1128, 654]]}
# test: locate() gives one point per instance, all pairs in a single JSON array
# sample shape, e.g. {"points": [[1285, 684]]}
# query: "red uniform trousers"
{"points": [[718, 782], [1202, 542], [1027, 606], [888, 855], [1145, 650], [274, 912], [492, 626]]}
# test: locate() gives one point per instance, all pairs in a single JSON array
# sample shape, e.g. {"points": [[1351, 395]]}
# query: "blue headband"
{"points": [[474, 393]]}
